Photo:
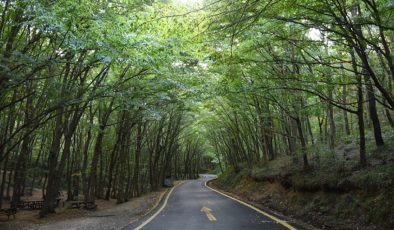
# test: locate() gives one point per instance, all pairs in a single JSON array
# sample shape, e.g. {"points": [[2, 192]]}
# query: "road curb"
{"points": [[155, 207], [277, 220]]}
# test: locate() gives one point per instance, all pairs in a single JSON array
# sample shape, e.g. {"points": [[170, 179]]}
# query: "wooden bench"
{"points": [[89, 205], [75, 204], [32, 204], [19, 205], [8, 212]]}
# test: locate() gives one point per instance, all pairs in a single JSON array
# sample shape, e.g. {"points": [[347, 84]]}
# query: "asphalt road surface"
{"points": [[192, 206]]}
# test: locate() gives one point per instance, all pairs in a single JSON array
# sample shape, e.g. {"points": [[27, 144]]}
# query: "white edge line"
{"points": [[158, 211], [283, 223]]}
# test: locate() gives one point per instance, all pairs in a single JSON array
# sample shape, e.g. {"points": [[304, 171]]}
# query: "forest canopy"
{"points": [[108, 98]]}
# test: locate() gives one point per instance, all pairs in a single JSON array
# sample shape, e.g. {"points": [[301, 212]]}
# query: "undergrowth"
{"points": [[336, 188]]}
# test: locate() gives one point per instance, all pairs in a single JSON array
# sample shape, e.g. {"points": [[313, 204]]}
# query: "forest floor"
{"points": [[334, 194], [108, 215]]}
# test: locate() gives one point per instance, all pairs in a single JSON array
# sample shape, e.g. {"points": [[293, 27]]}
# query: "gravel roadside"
{"points": [[112, 218]]}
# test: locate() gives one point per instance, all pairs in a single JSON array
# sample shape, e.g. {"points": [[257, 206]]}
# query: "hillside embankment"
{"points": [[334, 194]]}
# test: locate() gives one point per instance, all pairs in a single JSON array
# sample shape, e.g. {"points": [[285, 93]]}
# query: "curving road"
{"points": [[192, 206]]}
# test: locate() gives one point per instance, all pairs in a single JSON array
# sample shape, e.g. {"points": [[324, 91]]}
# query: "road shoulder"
{"points": [[297, 224], [155, 211], [111, 218]]}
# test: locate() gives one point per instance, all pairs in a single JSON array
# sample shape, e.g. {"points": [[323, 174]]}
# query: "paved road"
{"points": [[185, 211]]}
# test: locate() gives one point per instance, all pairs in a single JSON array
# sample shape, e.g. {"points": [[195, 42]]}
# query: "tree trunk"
{"points": [[303, 143], [372, 110], [345, 115], [331, 123], [136, 186], [360, 111]]}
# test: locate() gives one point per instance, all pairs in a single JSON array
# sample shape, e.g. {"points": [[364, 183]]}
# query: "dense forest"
{"points": [[90, 102], [304, 73], [105, 99]]}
